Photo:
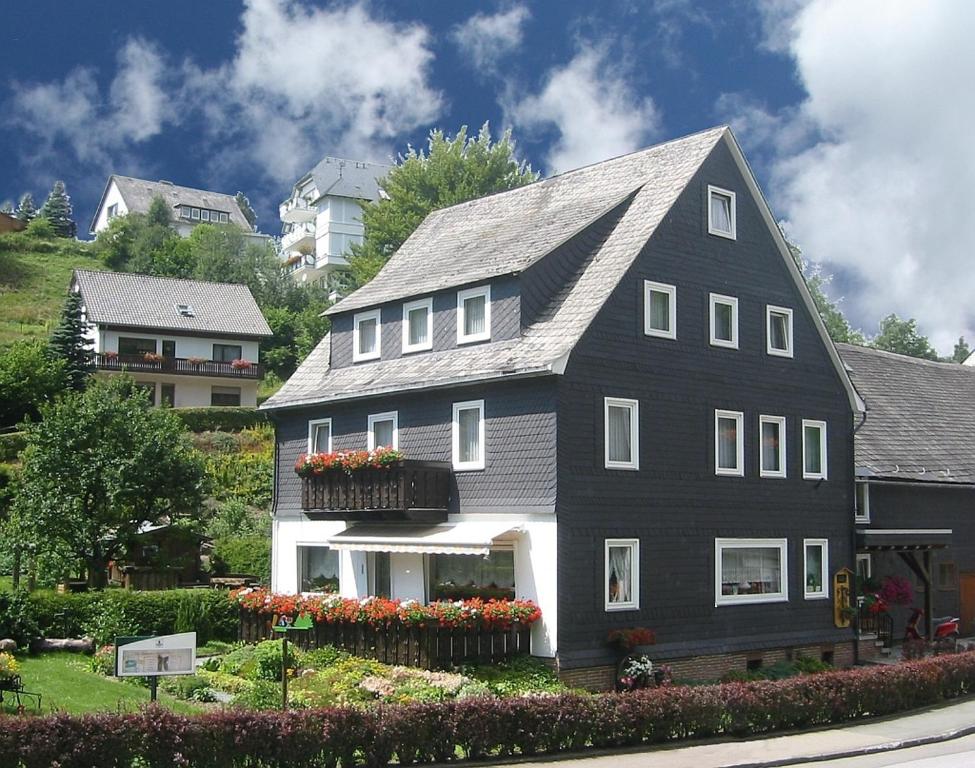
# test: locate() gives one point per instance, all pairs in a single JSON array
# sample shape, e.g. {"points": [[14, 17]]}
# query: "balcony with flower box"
{"points": [[181, 366]]}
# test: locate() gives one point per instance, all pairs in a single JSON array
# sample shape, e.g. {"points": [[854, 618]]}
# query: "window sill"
{"points": [[622, 607], [659, 334], [779, 353], [813, 477], [724, 344], [773, 475], [473, 339], [816, 596], [729, 473], [624, 467], [749, 600]]}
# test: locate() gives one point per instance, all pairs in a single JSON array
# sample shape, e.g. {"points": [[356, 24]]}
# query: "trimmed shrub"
{"points": [[250, 555], [11, 444], [17, 620], [221, 418]]}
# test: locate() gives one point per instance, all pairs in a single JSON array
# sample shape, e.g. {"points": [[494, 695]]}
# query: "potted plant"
{"points": [[152, 357], [240, 364], [196, 360], [110, 355]]}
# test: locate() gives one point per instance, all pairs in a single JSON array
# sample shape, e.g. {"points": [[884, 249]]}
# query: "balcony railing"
{"points": [[297, 209], [300, 234], [407, 490], [178, 365]]}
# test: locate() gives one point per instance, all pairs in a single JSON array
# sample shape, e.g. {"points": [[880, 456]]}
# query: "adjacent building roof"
{"points": [[347, 178], [144, 301], [920, 418], [139, 193]]}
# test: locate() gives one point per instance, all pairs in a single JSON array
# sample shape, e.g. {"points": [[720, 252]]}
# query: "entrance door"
{"points": [[966, 583]]}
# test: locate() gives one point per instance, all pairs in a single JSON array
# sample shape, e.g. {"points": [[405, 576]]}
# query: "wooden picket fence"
{"points": [[425, 647]]}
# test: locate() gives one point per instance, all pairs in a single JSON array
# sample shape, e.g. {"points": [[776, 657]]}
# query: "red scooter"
{"points": [[945, 628]]}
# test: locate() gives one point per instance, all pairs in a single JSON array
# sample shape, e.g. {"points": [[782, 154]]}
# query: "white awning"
{"points": [[467, 538]]}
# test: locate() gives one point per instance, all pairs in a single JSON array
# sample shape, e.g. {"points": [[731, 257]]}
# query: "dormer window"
{"points": [[185, 310], [417, 325], [721, 212], [366, 339], [474, 314]]}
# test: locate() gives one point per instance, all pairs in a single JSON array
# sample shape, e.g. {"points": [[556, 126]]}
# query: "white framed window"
{"points": [[813, 450], [721, 212], [771, 430], [750, 571], [622, 580], [468, 435], [184, 212], [474, 314], [724, 321], [366, 336], [204, 215], [659, 310], [862, 502], [621, 418], [418, 325], [224, 218], [383, 430], [864, 564], [778, 331], [112, 211], [195, 214], [729, 443], [320, 436], [815, 568]]}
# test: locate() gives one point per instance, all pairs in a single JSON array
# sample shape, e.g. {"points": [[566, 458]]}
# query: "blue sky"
{"points": [[852, 114]]}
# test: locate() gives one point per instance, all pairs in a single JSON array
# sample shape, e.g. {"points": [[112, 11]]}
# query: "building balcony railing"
{"points": [[300, 235], [180, 366], [410, 489], [297, 209]]}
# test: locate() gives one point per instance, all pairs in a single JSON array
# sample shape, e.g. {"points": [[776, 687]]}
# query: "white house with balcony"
{"points": [[189, 343], [322, 217]]}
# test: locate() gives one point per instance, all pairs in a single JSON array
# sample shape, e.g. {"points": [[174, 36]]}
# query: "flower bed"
{"points": [[481, 726], [312, 464]]}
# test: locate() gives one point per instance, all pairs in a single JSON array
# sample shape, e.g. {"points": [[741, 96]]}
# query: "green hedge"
{"points": [[220, 418], [12, 443], [249, 555]]}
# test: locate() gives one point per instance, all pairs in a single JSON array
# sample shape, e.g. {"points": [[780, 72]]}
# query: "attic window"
{"points": [[721, 212], [185, 310]]}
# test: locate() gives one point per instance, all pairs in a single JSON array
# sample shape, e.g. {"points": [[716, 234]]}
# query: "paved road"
{"points": [[957, 753]]}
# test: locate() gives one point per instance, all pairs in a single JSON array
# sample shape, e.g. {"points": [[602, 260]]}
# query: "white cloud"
{"points": [[591, 107], [487, 39], [873, 172]]}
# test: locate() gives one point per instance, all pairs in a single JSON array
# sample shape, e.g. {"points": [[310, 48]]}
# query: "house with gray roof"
{"points": [[190, 207], [322, 217], [915, 478], [188, 342], [612, 395]]}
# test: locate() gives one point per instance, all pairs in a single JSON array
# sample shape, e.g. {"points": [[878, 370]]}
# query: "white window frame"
{"points": [[824, 592], [313, 424], [470, 293], [650, 287], [634, 408], [769, 310], [634, 603], [733, 234], [782, 596], [195, 214], [823, 453], [732, 301], [782, 471], [411, 306], [739, 418], [372, 314], [861, 515], [463, 466], [392, 416], [864, 557]]}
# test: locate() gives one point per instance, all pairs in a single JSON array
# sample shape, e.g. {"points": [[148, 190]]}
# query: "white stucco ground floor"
{"points": [[195, 391], [470, 555]]}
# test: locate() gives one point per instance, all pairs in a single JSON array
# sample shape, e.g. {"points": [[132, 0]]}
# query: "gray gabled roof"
{"points": [[139, 193], [356, 179], [144, 301], [920, 418]]}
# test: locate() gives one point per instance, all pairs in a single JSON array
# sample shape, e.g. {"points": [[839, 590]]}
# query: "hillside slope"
{"points": [[34, 276]]}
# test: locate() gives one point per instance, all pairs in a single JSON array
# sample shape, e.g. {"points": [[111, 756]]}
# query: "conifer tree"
{"points": [[69, 343], [57, 210], [26, 210], [246, 209], [7, 207]]}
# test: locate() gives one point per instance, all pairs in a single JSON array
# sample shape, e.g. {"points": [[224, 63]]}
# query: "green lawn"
{"points": [[65, 684]]}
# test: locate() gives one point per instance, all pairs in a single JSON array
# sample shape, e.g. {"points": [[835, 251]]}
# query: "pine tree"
{"points": [[7, 208], [57, 210], [962, 351], [69, 343], [26, 210], [246, 209]]}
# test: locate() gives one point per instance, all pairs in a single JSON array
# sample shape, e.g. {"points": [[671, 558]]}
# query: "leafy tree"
{"points": [[30, 376], [128, 465], [962, 351], [451, 171], [903, 337], [40, 229], [26, 210], [70, 344], [837, 326], [57, 210], [246, 209]]}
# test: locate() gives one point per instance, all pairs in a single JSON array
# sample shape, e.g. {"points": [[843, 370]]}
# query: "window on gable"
{"points": [[778, 323], [468, 435], [383, 430], [622, 574], [772, 430], [622, 433], [815, 567], [750, 571], [659, 310], [320, 436], [721, 212], [366, 341], [729, 445], [724, 321], [474, 314], [112, 211], [417, 325], [813, 450]]}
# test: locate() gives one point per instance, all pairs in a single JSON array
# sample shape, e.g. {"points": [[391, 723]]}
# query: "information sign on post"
{"points": [[155, 657], [285, 624]]}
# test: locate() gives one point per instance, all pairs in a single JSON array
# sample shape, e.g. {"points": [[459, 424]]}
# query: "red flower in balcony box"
{"points": [[152, 357], [314, 464], [196, 360], [110, 355], [240, 364]]}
